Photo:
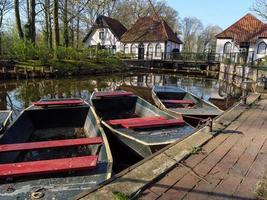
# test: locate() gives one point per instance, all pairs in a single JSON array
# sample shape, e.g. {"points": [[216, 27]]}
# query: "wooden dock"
{"points": [[222, 164], [227, 167], [173, 65]]}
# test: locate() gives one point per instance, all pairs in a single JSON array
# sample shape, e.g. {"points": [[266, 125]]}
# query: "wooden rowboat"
{"points": [[177, 101], [5, 116], [137, 124], [54, 150]]}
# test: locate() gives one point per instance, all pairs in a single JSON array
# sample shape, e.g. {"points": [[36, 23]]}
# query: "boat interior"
{"points": [[52, 144], [178, 99], [139, 119]]}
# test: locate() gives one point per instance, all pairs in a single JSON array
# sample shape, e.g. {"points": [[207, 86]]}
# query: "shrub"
{"points": [[45, 54]]}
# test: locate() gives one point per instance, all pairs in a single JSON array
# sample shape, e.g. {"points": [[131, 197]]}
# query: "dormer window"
{"points": [[101, 34]]}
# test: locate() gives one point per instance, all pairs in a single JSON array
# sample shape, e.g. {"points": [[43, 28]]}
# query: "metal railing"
{"points": [[238, 58]]}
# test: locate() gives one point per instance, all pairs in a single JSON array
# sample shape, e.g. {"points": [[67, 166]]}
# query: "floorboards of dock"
{"points": [[228, 167]]}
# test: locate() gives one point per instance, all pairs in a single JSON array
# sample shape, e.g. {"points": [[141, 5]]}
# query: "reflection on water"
{"points": [[20, 93]]}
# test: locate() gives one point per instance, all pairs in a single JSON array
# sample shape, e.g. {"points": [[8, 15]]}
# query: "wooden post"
{"points": [[244, 94]]}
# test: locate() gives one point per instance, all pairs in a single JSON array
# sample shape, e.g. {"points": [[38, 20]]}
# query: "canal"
{"points": [[18, 94]]}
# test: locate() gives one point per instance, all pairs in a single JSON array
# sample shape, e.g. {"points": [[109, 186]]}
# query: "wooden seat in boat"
{"points": [[59, 102], [134, 120], [191, 102], [113, 94], [153, 124], [50, 144], [47, 166]]}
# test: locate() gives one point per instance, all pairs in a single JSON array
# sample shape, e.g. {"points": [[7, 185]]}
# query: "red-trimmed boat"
{"points": [[137, 124], [54, 150], [177, 101]]}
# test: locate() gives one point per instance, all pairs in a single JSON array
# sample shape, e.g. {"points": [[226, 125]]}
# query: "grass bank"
{"points": [[74, 67]]}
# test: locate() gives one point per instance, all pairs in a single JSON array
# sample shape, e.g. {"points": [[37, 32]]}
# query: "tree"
{"points": [[5, 7], [128, 12], [207, 39], [191, 28], [260, 8], [18, 21], [65, 25], [31, 20], [48, 25], [56, 23]]}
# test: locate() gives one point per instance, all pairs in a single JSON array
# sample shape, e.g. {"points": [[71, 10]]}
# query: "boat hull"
{"points": [[193, 116], [61, 185]]}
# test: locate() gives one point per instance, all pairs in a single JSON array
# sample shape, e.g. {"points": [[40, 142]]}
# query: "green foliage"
{"points": [[261, 189], [120, 196], [195, 150], [68, 60], [23, 50], [44, 54]]}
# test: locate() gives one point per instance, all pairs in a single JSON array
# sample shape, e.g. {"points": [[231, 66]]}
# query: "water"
{"points": [[19, 94]]}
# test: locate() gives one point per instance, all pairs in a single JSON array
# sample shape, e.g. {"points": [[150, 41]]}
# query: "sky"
{"points": [[216, 12]]}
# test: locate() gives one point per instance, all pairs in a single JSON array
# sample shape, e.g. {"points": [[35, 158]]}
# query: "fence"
{"points": [[242, 58]]}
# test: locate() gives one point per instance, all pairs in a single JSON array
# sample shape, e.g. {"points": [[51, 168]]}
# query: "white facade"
{"points": [[103, 37], [151, 50], [259, 48]]}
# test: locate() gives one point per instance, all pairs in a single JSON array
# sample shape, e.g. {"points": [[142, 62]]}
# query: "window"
{"points": [[133, 49], [158, 50], [261, 48], [126, 49], [101, 35], [227, 47], [150, 50]]}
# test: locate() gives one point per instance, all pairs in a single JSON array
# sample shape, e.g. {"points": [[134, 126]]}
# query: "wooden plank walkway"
{"points": [[227, 167]]}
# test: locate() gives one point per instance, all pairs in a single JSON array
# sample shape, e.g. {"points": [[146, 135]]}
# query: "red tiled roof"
{"points": [[114, 25], [150, 29], [247, 29]]}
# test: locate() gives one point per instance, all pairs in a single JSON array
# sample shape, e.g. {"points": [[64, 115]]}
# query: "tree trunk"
{"points": [[18, 22], [50, 32], [1, 22], [65, 25], [72, 33], [78, 32], [32, 21], [56, 25], [46, 31]]}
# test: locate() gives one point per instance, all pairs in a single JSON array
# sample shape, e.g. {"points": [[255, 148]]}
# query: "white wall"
{"points": [[220, 45], [171, 46], [255, 49], [252, 48], [146, 45], [109, 39]]}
